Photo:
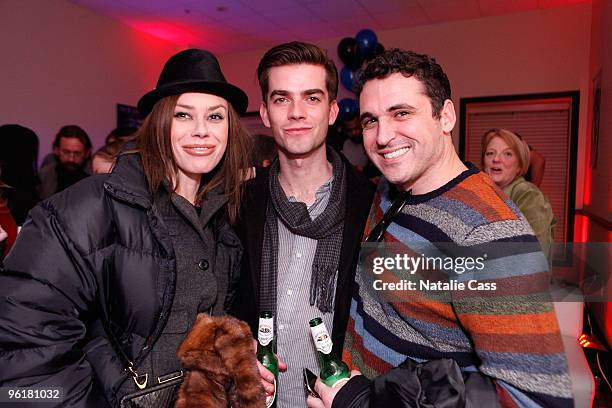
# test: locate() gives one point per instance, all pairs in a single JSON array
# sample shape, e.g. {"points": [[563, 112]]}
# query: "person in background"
{"points": [[71, 148], [353, 145], [18, 166], [102, 286], [443, 347], [3, 237], [103, 160], [353, 148], [8, 227], [302, 217], [121, 135], [506, 158], [264, 151], [335, 138]]}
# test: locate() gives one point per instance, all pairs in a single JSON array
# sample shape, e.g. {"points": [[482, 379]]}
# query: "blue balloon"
{"points": [[347, 77], [347, 107], [366, 43]]}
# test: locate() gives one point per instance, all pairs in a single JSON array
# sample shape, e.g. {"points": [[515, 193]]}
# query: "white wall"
{"points": [[532, 52], [62, 64]]}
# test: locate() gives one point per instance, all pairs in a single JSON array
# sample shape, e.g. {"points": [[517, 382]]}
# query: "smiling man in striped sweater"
{"points": [[461, 346]]}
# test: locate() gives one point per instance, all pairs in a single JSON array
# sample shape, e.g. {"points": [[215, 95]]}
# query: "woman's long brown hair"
{"points": [[155, 148]]}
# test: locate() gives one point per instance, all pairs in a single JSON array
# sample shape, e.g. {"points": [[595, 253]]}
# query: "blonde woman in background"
{"points": [[505, 158]]}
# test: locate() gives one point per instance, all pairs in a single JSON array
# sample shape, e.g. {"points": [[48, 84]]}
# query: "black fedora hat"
{"points": [[193, 70]]}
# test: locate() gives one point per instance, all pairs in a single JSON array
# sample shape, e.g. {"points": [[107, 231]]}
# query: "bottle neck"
{"points": [[268, 347], [324, 359]]}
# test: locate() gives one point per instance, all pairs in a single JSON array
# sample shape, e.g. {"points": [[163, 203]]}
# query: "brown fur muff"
{"points": [[219, 358]]}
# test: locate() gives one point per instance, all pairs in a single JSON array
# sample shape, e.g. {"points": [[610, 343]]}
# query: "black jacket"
{"points": [[250, 229], [92, 258], [436, 383]]}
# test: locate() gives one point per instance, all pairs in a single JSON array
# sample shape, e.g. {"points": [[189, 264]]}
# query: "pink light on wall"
{"points": [[165, 31]]}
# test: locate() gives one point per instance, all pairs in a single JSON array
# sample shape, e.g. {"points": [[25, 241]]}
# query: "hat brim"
{"points": [[227, 91]]}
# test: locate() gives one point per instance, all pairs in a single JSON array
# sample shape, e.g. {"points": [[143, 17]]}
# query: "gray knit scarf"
{"points": [[326, 229]]}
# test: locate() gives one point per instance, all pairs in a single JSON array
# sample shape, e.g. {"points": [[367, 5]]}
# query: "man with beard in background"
{"points": [[71, 148]]}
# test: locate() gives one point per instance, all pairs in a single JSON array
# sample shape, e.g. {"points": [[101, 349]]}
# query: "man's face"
{"points": [[297, 109], [400, 135], [352, 128], [71, 153]]}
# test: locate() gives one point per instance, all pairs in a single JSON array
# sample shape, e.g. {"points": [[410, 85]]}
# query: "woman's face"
{"points": [[501, 162], [198, 134]]}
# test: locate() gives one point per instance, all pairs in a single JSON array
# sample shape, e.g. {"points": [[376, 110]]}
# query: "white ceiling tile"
{"points": [[216, 30], [263, 5], [406, 18], [190, 17], [219, 10], [381, 7], [252, 24], [449, 10], [338, 9], [287, 18]]}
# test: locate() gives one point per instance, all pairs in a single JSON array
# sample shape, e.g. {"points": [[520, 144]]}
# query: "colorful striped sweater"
{"points": [[510, 335]]}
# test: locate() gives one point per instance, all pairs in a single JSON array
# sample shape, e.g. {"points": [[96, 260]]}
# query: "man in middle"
{"points": [[303, 217]]}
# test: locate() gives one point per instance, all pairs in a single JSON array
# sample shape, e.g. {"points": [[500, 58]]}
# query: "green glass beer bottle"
{"points": [[265, 349], [334, 372]]}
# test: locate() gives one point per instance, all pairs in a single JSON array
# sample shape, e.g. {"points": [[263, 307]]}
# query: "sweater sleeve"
{"points": [[45, 288], [513, 328]]}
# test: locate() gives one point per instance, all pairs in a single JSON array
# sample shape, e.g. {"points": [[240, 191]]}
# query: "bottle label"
{"points": [[321, 338], [270, 398], [265, 334]]}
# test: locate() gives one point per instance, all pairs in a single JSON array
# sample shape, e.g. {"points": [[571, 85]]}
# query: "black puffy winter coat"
{"points": [[93, 258]]}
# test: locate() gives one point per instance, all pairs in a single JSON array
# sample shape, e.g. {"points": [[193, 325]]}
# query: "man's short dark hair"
{"points": [[297, 52], [75, 132], [422, 67]]}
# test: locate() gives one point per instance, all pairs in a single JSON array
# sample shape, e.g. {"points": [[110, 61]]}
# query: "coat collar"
{"points": [[128, 182]]}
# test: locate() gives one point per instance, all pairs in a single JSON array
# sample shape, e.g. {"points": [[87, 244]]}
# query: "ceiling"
{"points": [[227, 26]]}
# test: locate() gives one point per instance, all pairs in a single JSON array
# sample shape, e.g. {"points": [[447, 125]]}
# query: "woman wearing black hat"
{"points": [[107, 277]]}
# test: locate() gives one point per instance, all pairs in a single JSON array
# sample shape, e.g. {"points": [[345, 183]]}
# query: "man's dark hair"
{"points": [[72, 131], [297, 52], [422, 67]]}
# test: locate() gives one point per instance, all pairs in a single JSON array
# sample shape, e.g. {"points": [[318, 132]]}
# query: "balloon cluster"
{"points": [[353, 52]]}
